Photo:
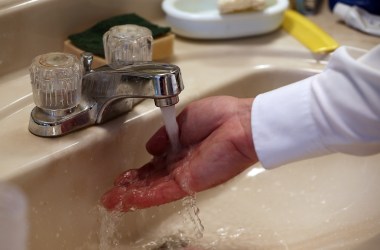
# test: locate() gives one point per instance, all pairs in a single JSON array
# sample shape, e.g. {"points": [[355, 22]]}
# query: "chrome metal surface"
{"points": [[108, 93], [87, 59]]}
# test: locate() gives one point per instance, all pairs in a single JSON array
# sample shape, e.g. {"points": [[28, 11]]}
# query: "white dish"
{"points": [[201, 19]]}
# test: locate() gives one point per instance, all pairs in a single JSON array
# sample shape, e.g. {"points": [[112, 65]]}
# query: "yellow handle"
{"points": [[308, 33]]}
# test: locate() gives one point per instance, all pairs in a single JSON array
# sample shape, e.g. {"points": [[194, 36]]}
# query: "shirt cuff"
{"points": [[335, 111], [283, 126]]}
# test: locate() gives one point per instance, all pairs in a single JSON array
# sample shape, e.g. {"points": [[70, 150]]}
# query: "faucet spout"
{"points": [[135, 80], [115, 90]]}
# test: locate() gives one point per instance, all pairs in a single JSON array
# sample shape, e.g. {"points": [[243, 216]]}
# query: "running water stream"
{"points": [[171, 125]]}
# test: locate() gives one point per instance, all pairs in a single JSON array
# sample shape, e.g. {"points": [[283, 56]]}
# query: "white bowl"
{"points": [[201, 19]]}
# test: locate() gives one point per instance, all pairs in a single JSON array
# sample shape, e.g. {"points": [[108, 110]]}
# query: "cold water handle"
{"points": [[56, 80]]}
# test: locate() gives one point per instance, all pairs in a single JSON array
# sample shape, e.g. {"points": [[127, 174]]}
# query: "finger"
{"points": [[159, 143], [145, 175], [126, 199], [194, 123], [189, 175], [201, 118]]}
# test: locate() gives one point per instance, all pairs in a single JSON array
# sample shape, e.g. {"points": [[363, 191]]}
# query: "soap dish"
{"points": [[201, 19]]}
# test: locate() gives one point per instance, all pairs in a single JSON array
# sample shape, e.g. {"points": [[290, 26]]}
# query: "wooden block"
{"points": [[163, 48]]}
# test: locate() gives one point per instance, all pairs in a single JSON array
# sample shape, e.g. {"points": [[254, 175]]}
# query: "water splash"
{"points": [[192, 210], [109, 234]]}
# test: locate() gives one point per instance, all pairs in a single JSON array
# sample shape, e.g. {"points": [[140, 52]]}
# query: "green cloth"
{"points": [[91, 40]]}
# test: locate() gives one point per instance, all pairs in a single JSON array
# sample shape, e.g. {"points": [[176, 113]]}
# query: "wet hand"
{"points": [[216, 139]]}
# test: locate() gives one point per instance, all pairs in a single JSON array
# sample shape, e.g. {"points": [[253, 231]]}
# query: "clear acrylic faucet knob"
{"points": [[56, 81], [127, 43]]}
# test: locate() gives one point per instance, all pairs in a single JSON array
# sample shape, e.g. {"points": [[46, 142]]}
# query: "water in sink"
{"points": [[182, 230]]}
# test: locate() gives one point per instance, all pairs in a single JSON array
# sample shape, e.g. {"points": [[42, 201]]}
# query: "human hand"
{"points": [[216, 140]]}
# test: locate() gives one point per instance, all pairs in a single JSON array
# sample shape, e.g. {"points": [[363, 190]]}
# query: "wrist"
{"points": [[244, 113]]}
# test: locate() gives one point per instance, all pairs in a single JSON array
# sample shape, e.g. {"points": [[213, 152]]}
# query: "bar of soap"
{"points": [[163, 48], [230, 6]]}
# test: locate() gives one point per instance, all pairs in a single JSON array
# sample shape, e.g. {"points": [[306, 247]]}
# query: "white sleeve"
{"points": [[337, 110]]}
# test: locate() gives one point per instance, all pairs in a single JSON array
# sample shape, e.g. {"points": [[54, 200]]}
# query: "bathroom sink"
{"points": [[325, 203], [330, 202]]}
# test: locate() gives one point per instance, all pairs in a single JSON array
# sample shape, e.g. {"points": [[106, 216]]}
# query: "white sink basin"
{"points": [[329, 202]]}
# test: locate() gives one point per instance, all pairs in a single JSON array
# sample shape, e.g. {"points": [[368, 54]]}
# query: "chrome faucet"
{"points": [[105, 92]]}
